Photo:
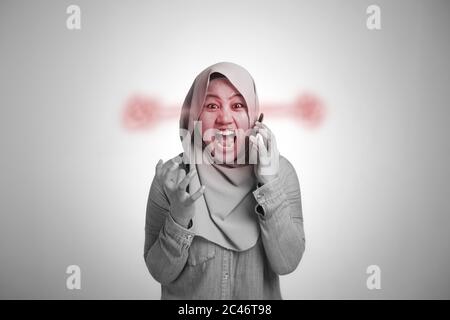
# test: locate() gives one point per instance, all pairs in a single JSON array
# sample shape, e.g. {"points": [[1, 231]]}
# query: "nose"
{"points": [[225, 116]]}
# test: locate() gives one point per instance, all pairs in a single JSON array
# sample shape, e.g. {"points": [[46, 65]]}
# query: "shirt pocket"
{"points": [[200, 251]]}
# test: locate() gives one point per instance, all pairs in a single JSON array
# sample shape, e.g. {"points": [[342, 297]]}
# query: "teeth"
{"points": [[226, 132], [225, 138]]}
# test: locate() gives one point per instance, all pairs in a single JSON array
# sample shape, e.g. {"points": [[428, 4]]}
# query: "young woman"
{"points": [[224, 218]]}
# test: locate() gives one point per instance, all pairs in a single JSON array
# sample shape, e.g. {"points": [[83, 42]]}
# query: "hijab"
{"points": [[224, 214]]}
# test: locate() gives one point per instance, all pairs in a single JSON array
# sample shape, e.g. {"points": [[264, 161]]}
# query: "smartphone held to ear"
{"points": [[261, 117]]}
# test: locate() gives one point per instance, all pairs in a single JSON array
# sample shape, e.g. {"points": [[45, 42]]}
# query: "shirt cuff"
{"points": [[269, 196], [182, 235]]}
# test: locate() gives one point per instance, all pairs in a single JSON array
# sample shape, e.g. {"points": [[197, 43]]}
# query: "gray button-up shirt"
{"points": [[191, 267]]}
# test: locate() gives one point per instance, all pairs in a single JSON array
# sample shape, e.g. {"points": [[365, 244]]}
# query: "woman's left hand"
{"points": [[264, 146]]}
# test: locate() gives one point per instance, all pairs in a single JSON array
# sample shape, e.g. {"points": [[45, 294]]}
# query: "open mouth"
{"points": [[225, 138]]}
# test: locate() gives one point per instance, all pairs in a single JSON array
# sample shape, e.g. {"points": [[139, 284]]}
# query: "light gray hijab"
{"points": [[225, 213]]}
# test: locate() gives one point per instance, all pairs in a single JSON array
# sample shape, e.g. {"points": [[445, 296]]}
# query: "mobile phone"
{"points": [[261, 117]]}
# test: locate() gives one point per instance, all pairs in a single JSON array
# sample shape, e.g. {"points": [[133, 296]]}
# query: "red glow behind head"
{"points": [[143, 112]]}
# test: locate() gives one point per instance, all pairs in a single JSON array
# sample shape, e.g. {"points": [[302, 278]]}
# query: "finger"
{"points": [[262, 151], [266, 137], [273, 149], [270, 137], [255, 144], [170, 176], [260, 125], [264, 133], [186, 180], [253, 154], [252, 140], [181, 175], [169, 164], [197, 194], [165, 167]]}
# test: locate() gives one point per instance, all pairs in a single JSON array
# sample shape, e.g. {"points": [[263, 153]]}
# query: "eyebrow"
{"points": [[237, 94]]}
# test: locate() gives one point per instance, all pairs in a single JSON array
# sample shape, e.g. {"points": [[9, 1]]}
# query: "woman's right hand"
{"points": [[175, 181]]}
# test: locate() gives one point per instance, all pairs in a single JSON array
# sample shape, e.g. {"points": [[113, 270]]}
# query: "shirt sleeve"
{"points": [[279, 211], [166, 242], [269, 197]]}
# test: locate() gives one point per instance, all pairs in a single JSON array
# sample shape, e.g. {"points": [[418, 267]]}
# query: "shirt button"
{"points": [[225, 276]]}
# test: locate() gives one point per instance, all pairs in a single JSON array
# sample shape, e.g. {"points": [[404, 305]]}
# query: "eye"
{"points": [[212, 106], [239, 106]]}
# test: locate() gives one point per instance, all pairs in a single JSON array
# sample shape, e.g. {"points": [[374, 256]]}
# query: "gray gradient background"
{"points": [[374, 177]]}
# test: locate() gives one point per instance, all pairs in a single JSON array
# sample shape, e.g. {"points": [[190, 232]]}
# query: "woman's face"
{"points": [[224, 112]]}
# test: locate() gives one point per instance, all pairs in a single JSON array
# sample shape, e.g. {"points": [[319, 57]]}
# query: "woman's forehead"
{"points": [[222, 86]]}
